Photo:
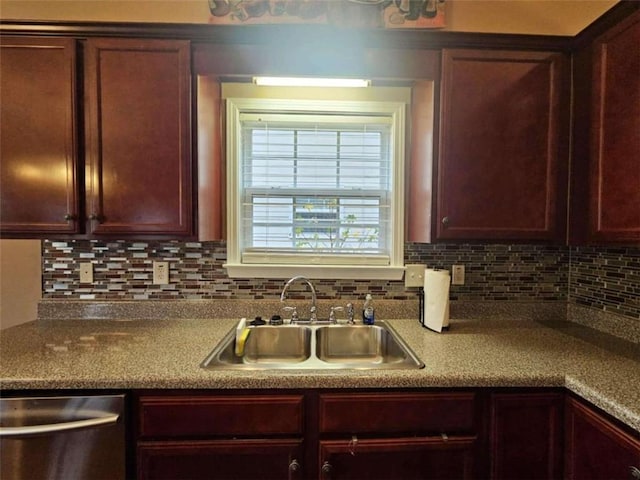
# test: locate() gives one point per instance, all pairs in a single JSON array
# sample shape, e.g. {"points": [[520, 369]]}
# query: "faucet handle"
{"points": [[294, 313], [332, 314], [350, 313]]}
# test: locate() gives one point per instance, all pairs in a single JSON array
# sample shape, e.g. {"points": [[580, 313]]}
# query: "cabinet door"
{"points": [[139, 174], [38, 154], [596, 448], [501, 171], [615, 135], [220, 459], [526, 436], [399, 458]]}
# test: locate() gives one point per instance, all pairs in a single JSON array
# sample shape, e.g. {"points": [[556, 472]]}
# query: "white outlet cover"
{"points": [[86, 272], [414, 275], [160, 273]]}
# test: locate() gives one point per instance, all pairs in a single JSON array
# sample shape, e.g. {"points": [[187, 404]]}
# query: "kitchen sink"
{"points": [[359, 345], [305, 347]]}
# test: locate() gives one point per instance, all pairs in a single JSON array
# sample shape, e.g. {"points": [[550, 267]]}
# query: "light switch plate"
{"points": [[457, 275], [86, 272], [160, 273], [414, 275]]}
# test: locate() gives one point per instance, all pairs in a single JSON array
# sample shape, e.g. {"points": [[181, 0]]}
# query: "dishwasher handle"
{"points": [[58, 427]]}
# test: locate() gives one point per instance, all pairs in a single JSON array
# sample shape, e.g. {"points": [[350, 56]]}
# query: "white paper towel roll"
{"points": [[436, 299]]}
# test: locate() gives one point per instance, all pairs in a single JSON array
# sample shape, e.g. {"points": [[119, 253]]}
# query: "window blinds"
{"points": [[316, 184]]}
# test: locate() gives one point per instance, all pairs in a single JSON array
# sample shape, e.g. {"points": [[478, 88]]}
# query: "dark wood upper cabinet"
{"points": [[38, 154], [138, 141], [501, 172], [615, 136]]}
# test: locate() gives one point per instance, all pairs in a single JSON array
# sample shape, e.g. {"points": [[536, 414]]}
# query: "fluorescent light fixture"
{"points": [[310, 82]]}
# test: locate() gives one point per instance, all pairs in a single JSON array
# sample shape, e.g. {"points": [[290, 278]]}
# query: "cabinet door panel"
{"points": [[139, 176], [526, 436], [38, 136], [499, 171], [223, 459], [401, 459], [615, 158], [596, 448]]}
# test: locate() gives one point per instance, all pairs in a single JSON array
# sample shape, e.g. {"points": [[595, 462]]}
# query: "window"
{"points": [[315, 187]]}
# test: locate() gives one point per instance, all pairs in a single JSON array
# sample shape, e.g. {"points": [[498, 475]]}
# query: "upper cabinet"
{"points": [[501, 172], [138, 142], [136, 177], [38, 154], [615, 136]]}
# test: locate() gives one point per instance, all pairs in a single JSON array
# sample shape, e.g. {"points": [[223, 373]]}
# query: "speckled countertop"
{"points": [[98, 354]]}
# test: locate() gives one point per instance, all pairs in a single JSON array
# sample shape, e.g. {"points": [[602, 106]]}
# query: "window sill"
{"points": [[336, 272]]}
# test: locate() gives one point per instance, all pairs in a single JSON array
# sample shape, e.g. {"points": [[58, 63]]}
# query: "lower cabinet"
{"points": [[220, 459], [386, 434], [526, 435], [597, 448], [438, 457], [219, 436], [403, 435]]}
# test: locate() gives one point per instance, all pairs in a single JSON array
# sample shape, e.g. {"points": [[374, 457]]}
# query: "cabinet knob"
{"points": [[326, 470], [95, 216], [68, 217], [445, 221], [635, 473], [294, 469]]}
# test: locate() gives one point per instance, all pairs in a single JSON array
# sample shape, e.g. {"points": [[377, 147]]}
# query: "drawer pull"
{"points": [[294, 469], [352, 445], [635, 473], [326, 470]]}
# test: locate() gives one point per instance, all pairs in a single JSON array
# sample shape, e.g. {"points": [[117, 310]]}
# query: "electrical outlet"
{"points": [[86, 272], [160, 273], [457, 275], [414, 275]]}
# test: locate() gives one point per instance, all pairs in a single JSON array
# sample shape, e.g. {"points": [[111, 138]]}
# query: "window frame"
{"points": [[270, 264]]}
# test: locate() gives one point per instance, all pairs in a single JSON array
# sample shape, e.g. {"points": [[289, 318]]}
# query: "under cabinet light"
{"points": [[310, 82]]}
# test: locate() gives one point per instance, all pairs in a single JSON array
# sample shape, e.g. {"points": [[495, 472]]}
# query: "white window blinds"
{"points": [[316, 184]]}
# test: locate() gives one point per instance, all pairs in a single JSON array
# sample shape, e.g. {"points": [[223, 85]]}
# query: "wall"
{"points": [[606, 279], [546, 17], [20, 281], [123, 271], [603, 279]]}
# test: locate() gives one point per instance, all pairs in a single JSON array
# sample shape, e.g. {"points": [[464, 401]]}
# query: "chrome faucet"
{"points": [[314, 316]]}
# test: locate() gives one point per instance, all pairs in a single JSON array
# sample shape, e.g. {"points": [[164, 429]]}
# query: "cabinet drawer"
{"points": [[220, 416], [397, 412]]}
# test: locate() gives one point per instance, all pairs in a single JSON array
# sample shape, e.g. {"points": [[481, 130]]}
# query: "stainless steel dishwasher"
{"points": [[75, 437]]}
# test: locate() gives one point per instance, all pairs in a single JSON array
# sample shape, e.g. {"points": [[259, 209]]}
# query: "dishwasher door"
{"points": [[62, 438]]}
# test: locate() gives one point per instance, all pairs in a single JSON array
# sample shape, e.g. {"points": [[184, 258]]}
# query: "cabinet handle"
{"points": [[635, 473], [96, 217], [326, 470], [445, 221], [294, 469], [68, 217]]}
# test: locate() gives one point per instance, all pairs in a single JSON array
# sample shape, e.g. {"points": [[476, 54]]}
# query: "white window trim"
{"points": [[313, 266]]}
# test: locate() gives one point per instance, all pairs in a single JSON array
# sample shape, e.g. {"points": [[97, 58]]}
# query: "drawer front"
{"points": [[398, 413], [220, 416]]}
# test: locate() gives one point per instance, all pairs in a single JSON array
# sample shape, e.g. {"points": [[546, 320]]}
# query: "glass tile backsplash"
{"points": [[607, 279]]}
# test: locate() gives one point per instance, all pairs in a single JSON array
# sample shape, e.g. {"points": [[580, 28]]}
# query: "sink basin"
{"points": [[359, 344], [273, 347], [321, 347]]}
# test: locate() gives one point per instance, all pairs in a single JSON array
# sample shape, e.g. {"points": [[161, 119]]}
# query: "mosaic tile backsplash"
{"points": [[606, 279]]}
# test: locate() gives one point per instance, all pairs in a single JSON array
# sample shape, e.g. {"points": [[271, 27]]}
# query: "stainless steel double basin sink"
{"points": [[321, 347]]}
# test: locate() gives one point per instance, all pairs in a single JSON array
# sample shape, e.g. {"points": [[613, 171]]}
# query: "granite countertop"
{"points": [[161, 354]]}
